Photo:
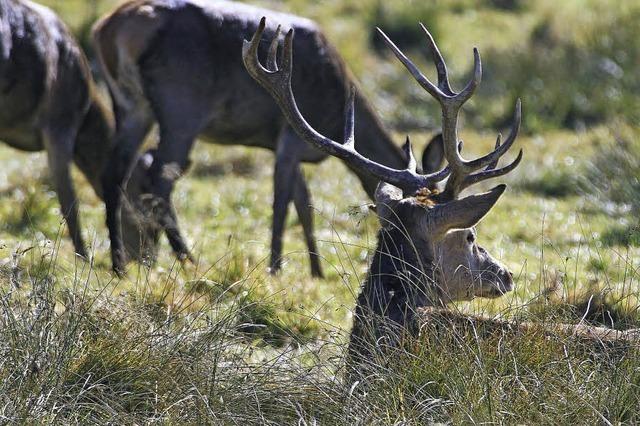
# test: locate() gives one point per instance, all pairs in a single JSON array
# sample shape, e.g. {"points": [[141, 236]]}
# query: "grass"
{"points": [[80, 354], [224, 342]]}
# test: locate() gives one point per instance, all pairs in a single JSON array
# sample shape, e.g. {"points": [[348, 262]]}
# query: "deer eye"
{"points": [[471, 238]]}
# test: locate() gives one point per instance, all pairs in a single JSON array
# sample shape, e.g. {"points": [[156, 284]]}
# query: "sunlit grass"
{"points": [[222, 341], [226, 218]]}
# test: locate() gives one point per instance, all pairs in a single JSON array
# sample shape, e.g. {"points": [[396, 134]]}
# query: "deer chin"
{"points": [[500, 284]]}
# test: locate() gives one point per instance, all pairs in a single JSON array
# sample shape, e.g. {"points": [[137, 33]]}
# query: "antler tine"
{"points": [[494, 164], [287, 56], [432, 89], [272, 62], [468, 91], [408, 152], [441, 66], [349, 120], [490, 173], [278, 84]]}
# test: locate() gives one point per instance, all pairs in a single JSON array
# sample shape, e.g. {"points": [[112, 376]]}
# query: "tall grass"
{"points": [[71, 351], [223, 347]]}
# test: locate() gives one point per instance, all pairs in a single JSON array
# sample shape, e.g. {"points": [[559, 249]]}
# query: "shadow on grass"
{"points": [[239, 166], [30, 209], [553, 184], [259, 319], [590, 304], [625, 236]]}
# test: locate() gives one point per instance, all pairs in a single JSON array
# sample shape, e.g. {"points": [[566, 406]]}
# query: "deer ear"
{"points": [[433, 155], [464, 213], [387, 198]]}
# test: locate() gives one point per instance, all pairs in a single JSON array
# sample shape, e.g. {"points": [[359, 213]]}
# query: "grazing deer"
{"points": [[178, 63], [427, 252], [48, 101]]}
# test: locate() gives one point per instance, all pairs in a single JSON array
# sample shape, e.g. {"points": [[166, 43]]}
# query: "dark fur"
{"points": [[48, 102], [191, 79], [401, 279]]}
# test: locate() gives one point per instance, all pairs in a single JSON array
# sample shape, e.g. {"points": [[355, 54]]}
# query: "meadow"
{"points": [[222, 341]]}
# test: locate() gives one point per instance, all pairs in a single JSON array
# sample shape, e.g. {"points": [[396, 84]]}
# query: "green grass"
{"points": [[231, 342], [224, 342]]}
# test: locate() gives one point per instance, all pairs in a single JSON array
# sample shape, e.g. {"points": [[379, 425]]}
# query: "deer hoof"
{"points": [[119, 264]]}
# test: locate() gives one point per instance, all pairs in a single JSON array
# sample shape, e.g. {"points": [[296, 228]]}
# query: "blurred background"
{"points": [[570, 221], [574, 63], [222, 341]]}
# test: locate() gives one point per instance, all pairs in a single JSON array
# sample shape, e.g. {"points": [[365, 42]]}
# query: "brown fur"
{"points": [[179, 63], [48, 101], [425, 197]]}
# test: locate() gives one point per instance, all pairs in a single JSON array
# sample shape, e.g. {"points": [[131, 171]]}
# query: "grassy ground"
{"points": [[222, 341]]}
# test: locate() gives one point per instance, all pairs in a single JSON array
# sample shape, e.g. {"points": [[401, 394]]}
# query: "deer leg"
{"points": [[302, 202], [132, 128], [170, 162], [59, 147], [284, 179], [177, 242]]}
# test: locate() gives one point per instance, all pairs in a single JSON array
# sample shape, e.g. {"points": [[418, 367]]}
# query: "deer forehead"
{"points": [[426, 197], [417, 213]]}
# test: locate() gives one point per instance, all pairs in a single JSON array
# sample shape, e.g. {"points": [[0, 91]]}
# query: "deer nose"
{"points": [[507, 279]]}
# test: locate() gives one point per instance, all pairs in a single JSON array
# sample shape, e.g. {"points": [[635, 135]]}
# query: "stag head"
{"points": [[437, 226]]}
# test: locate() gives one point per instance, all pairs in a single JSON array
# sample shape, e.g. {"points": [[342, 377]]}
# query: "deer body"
{"points": [[179, 63], [48, 102], [427, 254]]}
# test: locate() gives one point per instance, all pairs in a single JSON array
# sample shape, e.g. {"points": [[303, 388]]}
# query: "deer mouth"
{"points": [[498, 284], [496, 292]]}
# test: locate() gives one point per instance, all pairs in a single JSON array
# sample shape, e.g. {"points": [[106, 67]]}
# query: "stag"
{"points": [[48, 102], [179, 64], [427, 253]]}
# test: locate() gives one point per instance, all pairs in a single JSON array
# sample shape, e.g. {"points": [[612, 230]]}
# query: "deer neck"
{"points": [[401, 277], [400, 280], [94, 143], [374, 142]]}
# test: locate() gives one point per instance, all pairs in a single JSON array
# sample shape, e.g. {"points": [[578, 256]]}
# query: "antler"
{"points": [[278, 84], [462, 171]]}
